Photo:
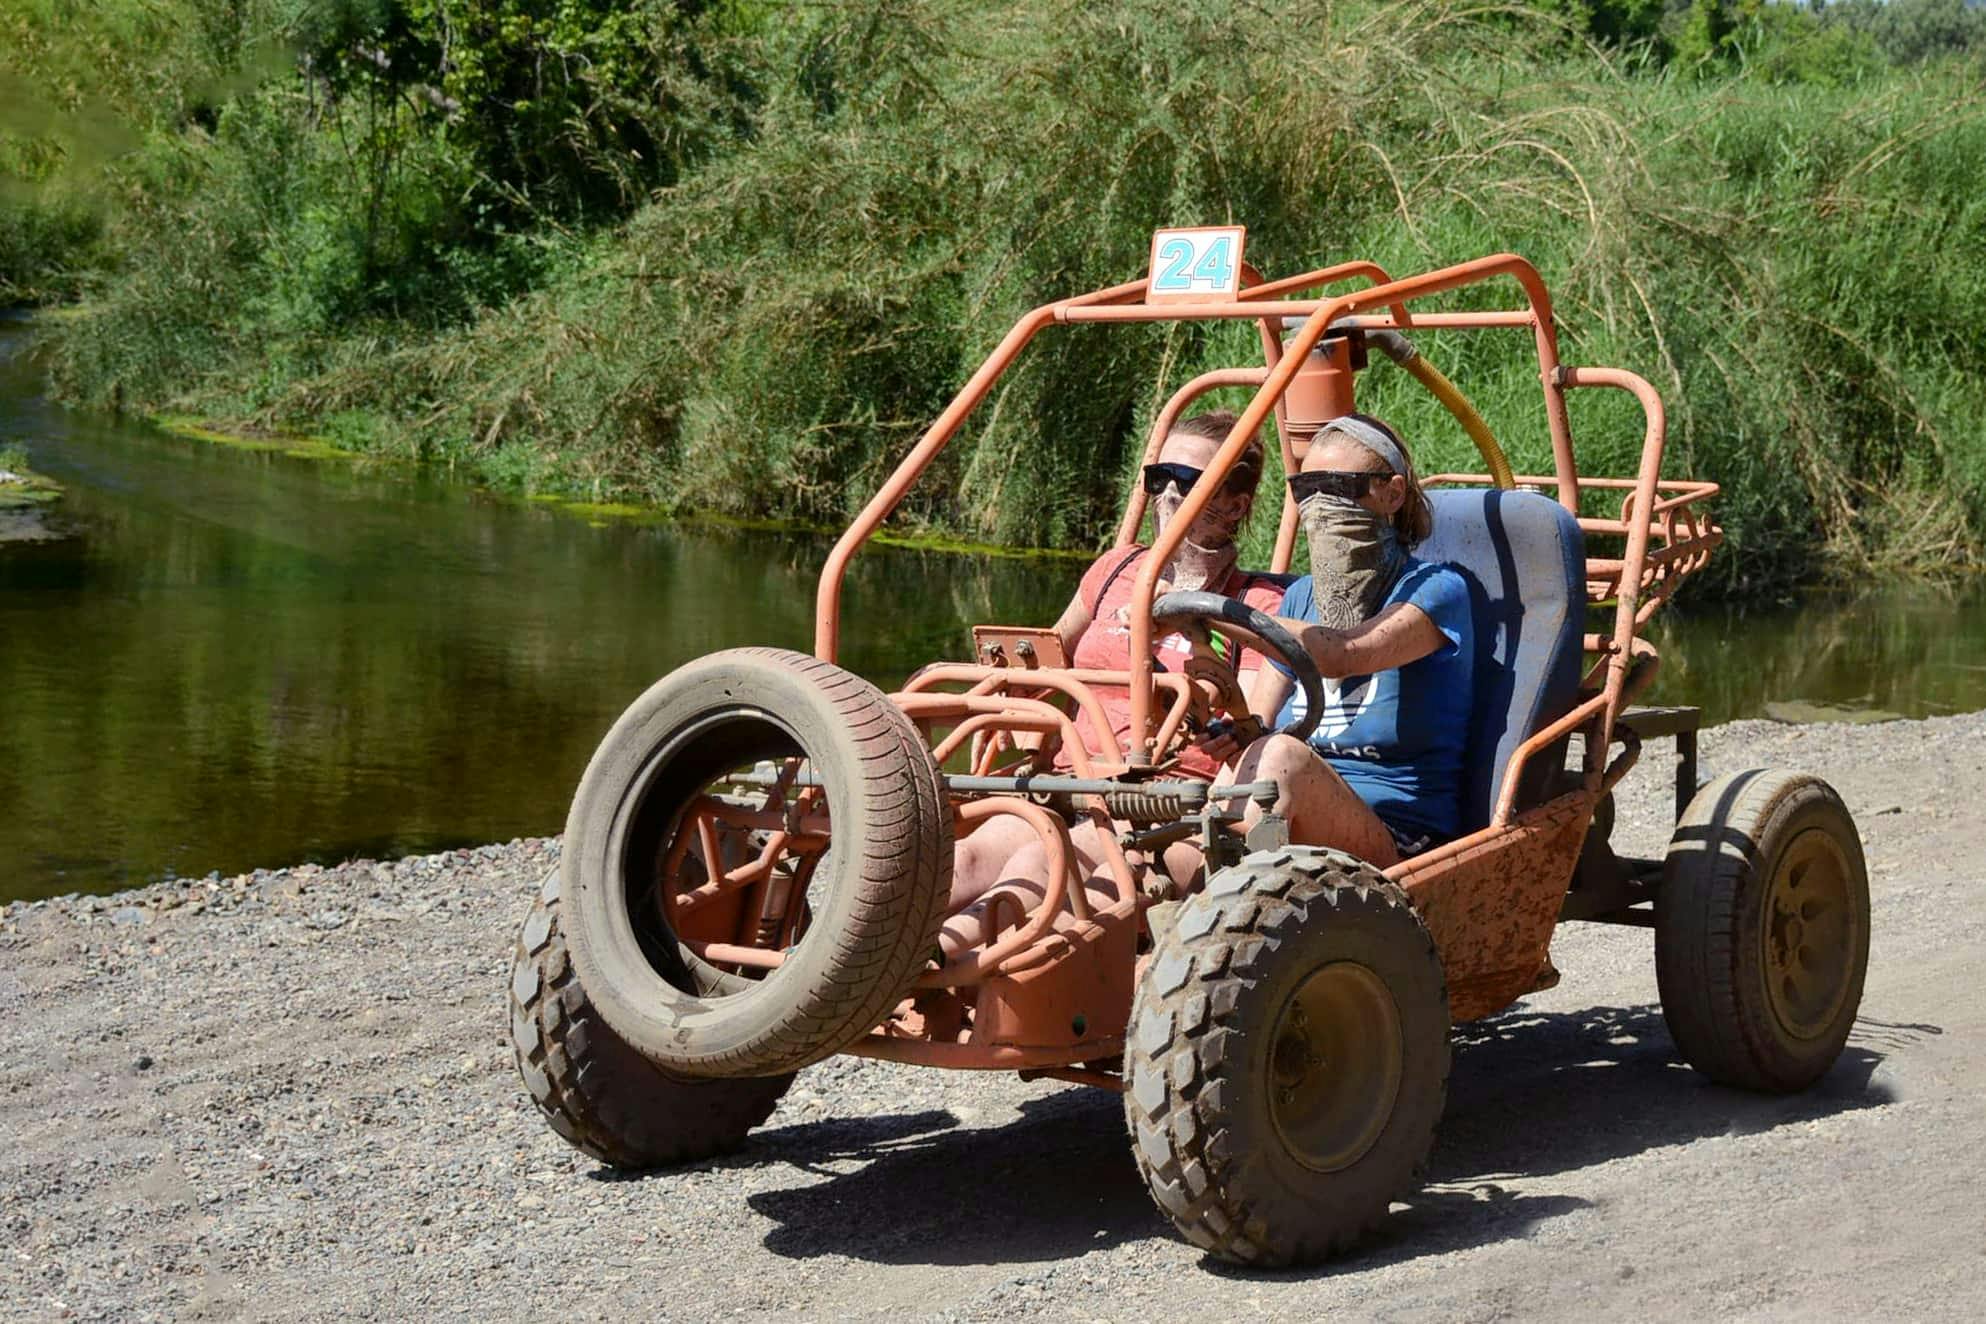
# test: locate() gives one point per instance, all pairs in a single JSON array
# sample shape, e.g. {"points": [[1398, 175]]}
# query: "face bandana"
{"points": [[1355, 556], [1195, 566]]}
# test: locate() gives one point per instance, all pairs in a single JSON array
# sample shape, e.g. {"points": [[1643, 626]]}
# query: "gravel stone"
{"points": [[327, 1126]]}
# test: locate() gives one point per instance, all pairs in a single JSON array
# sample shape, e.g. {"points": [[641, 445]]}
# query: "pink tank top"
{"points": [[1106, 645]]}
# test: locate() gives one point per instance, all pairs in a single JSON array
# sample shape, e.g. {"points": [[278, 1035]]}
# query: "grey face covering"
{"points": [[1355, 556]]}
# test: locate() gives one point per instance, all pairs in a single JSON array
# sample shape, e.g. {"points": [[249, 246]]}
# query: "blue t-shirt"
{"points": [[1397, 738]]}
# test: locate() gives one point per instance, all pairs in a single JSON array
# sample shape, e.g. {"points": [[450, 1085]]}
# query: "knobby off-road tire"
{"points": [[876, 900], [608, 1101], [1762, 930], [1270, 1137]]}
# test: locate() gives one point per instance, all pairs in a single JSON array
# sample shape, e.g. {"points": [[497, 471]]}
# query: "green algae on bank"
{"points": [[194, 428], [21, 488], [25, 499], [601, 513]]}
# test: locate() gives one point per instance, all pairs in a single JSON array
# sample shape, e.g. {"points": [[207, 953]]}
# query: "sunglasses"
{"points": [[1158, 477], [1348, 484]]}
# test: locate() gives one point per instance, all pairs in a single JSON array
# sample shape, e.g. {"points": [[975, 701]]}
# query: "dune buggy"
{"points": [[758, 858]]}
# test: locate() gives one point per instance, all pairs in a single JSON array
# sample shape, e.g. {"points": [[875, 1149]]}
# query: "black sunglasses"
{"points": [[1160, 476], [1345, 483]]}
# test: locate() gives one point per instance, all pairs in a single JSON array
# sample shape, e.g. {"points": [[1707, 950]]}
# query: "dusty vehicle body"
{"points": [[1280, 1034]]}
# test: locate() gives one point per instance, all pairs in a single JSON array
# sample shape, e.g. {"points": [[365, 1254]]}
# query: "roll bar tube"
{"points": [[827, 598], [1134, 509], [1115, 304]]}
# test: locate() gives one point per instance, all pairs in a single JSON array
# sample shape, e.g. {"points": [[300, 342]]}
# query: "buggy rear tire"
{"points": [[606, 1100], [876, 899], [1762, 930], [1288, 1056]]}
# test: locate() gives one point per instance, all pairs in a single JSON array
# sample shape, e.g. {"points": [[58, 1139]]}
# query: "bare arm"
{"points": [[1268, 690], [1069, 626], [1400, 634], [1268, 693]]}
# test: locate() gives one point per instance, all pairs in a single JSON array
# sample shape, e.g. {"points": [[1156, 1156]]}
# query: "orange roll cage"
{"points": [[1490, 898]]}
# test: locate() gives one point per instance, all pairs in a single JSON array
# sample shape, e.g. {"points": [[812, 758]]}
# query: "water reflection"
{"points": [[245, 660], [1907, 651]]}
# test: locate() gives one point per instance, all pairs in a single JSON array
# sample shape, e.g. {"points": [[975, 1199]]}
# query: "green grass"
{"points": [[1781, 228]]}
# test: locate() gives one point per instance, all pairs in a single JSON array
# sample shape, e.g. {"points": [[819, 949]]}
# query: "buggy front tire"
{"points": [[1762, 930], [606, 1100], [874, 903], [1288, 1057]]}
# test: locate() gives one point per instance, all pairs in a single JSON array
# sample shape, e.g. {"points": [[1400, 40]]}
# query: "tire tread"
{"points": [[1186, 1015], [1703, 978], [596, 1092]]}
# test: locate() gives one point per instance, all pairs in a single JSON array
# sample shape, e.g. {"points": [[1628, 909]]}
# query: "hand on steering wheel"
{"points": [[1193, 613], [1213, 668]]}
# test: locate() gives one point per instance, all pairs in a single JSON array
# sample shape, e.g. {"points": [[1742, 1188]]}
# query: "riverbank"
{"points": [[597, 513], [25, 498], [288, 1095]]}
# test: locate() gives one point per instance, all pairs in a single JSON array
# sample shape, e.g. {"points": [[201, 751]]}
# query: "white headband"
{"points": [[1372, 438]]}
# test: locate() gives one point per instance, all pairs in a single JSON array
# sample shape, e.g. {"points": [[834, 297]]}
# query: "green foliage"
{"points": [[1705, 35], [557, 109], [44, 247], [728, 259], [1913, 31]]}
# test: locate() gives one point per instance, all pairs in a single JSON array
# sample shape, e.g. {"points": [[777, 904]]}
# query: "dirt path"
{"points": [[288, 1096]]}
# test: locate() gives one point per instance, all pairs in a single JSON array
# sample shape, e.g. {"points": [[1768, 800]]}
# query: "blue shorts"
{"points": [[1412, 841]]}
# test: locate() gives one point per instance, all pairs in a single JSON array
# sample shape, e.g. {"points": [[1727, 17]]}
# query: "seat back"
{"points": [[1525, 560]]}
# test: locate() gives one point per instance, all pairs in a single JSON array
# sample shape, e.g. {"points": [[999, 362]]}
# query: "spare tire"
{"points": [[874, 901]]}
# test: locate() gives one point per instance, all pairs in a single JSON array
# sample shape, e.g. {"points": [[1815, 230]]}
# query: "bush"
{"points": [[747, 261]]}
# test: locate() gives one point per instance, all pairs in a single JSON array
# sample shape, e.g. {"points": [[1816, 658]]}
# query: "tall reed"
{"points": [[1797, 264]]}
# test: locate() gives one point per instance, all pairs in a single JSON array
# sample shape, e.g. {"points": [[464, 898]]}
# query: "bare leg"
{"points": [[1319, 808], [980, 859], [1023, 883]]}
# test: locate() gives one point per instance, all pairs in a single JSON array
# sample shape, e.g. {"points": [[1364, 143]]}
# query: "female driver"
{"points": [[1381, 776]]}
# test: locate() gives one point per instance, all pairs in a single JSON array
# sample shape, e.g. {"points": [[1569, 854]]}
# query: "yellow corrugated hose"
{"points": [[1402, 351], [1465, 413]]}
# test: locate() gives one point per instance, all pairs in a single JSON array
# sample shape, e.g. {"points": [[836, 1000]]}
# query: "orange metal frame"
{"points": [[1490, 899]]}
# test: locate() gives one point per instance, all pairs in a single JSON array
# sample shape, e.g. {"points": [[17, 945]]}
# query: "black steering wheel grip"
{"points": [[1262, 628]]}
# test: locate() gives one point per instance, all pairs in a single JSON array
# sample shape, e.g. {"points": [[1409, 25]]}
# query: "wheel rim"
{"points": [[1808, 934], [654, 888], [1334, 1065]]}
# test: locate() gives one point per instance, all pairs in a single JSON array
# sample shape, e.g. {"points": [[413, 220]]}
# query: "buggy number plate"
{"points": [[1203, 262]]}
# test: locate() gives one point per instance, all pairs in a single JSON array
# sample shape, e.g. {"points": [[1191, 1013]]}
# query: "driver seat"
{"points": [[1524, 558]]}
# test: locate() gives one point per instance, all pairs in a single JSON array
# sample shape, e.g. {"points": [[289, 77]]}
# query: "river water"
{"points": [[244, 659]]}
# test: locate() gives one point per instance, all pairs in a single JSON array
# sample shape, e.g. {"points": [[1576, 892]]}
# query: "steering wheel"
{"points": [[1194, 613]]}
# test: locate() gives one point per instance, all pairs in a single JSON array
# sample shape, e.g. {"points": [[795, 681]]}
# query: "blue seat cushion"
{"points": [[1525, 562]]}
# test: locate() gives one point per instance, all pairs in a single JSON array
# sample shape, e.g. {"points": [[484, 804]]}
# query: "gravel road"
{"points": [[289, 1096]]}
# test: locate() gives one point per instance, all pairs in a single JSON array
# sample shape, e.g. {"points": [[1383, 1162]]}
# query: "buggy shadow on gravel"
{"points": [[1049, 1185], [1532, 1095], [1535, 1094]]}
